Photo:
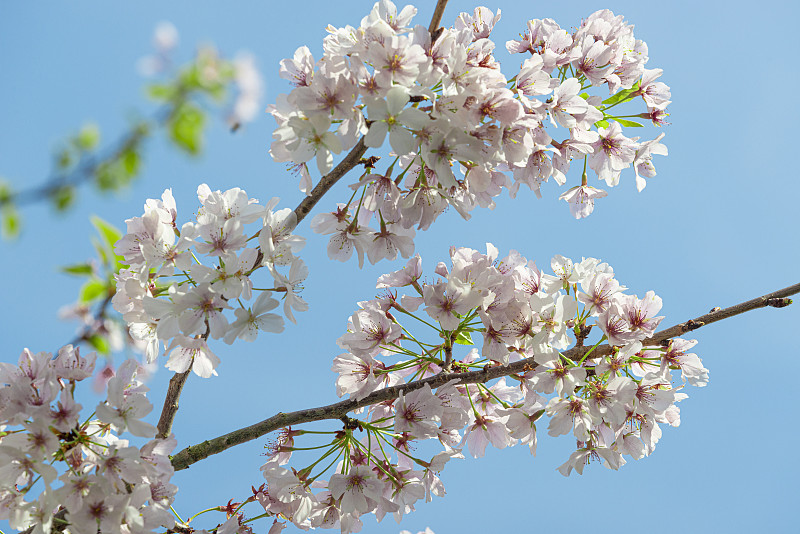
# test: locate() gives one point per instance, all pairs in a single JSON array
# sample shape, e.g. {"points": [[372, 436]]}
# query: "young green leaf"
{"points": [[5, 192], [625, 122], [622, 96], [100, 344], [79, 269], [160, 92], [130, 162], [102, 250], [88, 137], [11, 223], [464, 338], [107, 231], [63, 197], [92, 290], [186, 129]]}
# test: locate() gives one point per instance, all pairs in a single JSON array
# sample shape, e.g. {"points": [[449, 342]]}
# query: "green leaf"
{"points": [[64, 159], [107, 231], [102, 177], [622, 96], [463, 338], [88, 137], [5, 192], [92, 290], [130, 161], [11, 222], [107, 176], [186, 128], [63, 197], [601, 124], [632, 124], [102, 250], [100, 344], [189, 80], [79, 269], [160, 92], [114, 174]]}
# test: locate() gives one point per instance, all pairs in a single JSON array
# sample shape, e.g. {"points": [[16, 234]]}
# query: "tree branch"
{"points": [[170, 409], [176, 383], [195, 453], [304, 208], [436, 19], [776, 299], [83, 172], [355, 154], [327, 181]]}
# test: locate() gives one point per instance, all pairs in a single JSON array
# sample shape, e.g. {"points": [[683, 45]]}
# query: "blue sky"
{"points": [[717, 226]]}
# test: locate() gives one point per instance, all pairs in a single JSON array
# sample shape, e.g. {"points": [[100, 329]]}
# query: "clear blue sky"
{"points": [[717, 226]]}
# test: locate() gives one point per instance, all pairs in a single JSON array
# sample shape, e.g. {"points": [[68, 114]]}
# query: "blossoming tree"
{"points": [[447, 357]]}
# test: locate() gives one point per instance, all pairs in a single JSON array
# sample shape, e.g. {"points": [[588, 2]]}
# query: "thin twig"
{"points": [[88, 166], [776, 299], [97, 316], [83, 172], [195, 453], [176, 383]]}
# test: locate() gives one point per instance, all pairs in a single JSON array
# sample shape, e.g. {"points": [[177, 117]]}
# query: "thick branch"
{"points": [[170, 409], [195, 453], [198, 452]]}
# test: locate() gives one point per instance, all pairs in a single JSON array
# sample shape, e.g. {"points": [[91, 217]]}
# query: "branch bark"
{"points": [[170, 409], [327, 181], [436, 19], [195, 453], [776, 299]]}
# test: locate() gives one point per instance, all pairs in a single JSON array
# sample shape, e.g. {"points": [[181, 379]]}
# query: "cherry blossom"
{"points": [[460, 131], [451, 113], [162, 309]]}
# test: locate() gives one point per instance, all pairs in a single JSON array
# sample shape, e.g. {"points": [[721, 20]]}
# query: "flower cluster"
{"points": [[170, 298], [107, 483], [461, 130], [611, 398]]}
